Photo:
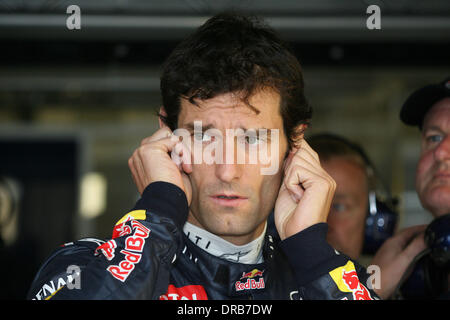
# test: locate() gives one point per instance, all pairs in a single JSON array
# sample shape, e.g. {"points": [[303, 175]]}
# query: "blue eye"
{"points": [[338, 207], [252, 139], [434, 138], [202, 136], [198, 136]]}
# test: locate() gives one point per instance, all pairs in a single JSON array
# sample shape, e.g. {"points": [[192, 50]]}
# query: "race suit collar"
{"points": [[250, 253]]}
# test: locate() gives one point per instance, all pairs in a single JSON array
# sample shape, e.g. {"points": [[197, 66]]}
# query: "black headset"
{"points": [[427, 276], [382, 216]]}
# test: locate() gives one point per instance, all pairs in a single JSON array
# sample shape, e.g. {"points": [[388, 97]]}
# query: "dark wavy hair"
{"points": [[234, 53]]}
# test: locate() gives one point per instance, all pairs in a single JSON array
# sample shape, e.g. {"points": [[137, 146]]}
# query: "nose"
{"points": [[227, 172], [442, 151], [229, 169]]}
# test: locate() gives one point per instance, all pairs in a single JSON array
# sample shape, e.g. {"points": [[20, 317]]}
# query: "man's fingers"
{"points": [[309, 186], [134, 173], [188, 188], [288, 160], [405, 236], [308, 162], [414, 247], [303, 169], [162, 133], [303, 153], [176, 155], [308, 152], [164, 144], [182, 157], [303, 175], [186, 159], [154, 149]]}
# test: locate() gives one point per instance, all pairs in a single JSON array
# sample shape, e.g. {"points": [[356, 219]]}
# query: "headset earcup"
{"points": [[380, 225]]}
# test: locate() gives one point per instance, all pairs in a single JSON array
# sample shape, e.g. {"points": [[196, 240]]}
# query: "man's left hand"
{"points": [[306, 192]]}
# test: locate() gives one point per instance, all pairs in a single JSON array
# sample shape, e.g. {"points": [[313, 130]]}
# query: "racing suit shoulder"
{"points": [[134, 264], [321, 272]]}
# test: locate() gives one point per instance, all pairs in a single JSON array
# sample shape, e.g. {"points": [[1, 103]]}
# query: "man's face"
{"points": [[233, 200], [348, 211], [433, 169]]}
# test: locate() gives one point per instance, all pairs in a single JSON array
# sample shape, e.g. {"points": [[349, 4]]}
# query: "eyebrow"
{"points": [[190, 126], [432, 128]]}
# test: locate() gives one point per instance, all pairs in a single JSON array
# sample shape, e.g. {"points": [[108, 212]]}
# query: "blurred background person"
{"points": [[362, 214], [17, 249], [362, 219], [424, 248], [347, 217], [428, 108]]}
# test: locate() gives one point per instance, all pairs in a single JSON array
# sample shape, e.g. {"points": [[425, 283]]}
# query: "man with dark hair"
{"points": [[232, 53], [230, 91]]}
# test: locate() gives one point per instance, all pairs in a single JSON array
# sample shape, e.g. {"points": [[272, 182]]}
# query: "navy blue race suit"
{"points": [[149, 257]]}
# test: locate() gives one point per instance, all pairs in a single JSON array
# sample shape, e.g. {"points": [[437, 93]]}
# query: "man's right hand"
{"points": [[152, 162], [395, 256]]}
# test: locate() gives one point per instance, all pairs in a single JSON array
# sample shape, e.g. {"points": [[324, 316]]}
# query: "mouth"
{"points": [[442, 175], [228, 199]]}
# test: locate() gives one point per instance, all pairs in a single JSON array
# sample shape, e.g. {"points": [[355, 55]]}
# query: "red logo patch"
{"points": [[191, 292], [359, 291], [249, 282], [134, 245], [108, 249]]}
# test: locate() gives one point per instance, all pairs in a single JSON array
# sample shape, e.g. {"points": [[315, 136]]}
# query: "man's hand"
{"points": [[152, 162], [306, 192], [395, 255]]}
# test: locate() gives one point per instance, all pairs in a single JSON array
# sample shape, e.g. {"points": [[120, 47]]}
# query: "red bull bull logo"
{"points": [[250, 282], [252, 274], [346, 279], [359, 291]]}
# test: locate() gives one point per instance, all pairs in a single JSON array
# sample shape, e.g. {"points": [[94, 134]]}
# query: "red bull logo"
{"points": [[346, 279], [191, 292], [359, 291], [250, 282], [252, 274]]}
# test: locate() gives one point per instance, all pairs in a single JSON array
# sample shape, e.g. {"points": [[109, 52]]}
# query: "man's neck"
{"points": [[249, 253], [237, 240]]}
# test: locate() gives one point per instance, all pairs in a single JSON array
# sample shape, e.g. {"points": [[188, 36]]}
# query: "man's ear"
{"points": [[298, 134], [161, 116]]}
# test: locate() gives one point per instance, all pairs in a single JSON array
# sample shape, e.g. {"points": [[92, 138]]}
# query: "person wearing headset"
{"points": [[348, 212], [428, 108], [355, 213], [361, 217]]}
